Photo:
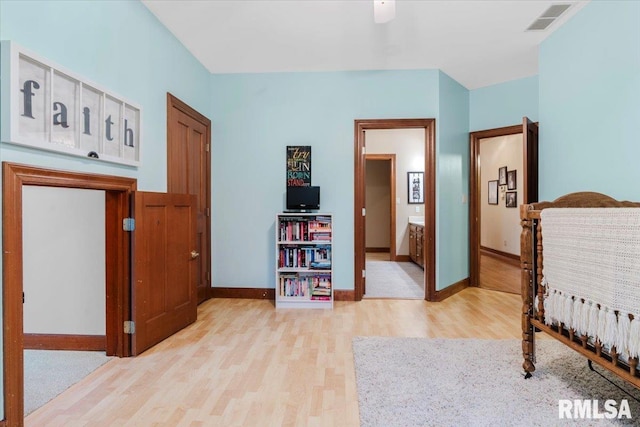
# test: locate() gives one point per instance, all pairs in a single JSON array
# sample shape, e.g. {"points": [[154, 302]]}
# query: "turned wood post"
{"points": [[526, 288], [538, 265]]}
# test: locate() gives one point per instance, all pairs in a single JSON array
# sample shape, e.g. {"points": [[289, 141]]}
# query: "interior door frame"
{"points": [[360, 127], [530, 184], [117, 254], [174, 103], [391, 158]]}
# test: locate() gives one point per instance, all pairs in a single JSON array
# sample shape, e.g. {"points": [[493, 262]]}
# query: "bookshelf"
{"points": [[304, 260]]}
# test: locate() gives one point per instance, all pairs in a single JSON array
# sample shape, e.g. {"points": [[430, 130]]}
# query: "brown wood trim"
{"points": [[403, 258], [475, 192], [117, 286], [117, 273], [343, 295], [243, 293], [377, 250], [261, 293], [360, 126], [65, 342], [391, 157], [429, 243], [12, 296], [445, 293], [3, 423], [502, 256], [175, 102]]}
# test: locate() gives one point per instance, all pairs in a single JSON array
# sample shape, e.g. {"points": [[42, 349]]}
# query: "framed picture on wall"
{"points": [[415, 187], [511, 200], [493, 192], [502, 176], [511, 180]]}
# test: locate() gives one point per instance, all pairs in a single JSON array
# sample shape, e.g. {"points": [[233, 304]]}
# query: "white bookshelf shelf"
{"points": [[302, 240]]}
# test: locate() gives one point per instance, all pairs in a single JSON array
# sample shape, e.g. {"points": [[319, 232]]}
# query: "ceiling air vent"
{"points": [[547, 18]]}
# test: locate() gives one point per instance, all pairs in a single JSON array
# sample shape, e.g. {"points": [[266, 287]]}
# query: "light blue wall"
{"points": [[122, 47], [452, 182], [255, 117], [503, 104], [590, 103], [588, 107]]}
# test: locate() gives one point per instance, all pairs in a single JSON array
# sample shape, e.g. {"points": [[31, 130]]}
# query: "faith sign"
{"points": [[52, 109]]}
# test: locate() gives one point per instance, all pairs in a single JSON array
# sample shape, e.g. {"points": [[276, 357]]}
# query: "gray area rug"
{"points": [[47, 373], [472, 382], [388, 279]]}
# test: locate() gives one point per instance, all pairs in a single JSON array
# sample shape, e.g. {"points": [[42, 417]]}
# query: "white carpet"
{"points": [[471, 382], [388, 279], [47, 373]]}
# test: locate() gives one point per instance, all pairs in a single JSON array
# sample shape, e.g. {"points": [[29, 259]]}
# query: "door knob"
{"points": [[194, 254]]}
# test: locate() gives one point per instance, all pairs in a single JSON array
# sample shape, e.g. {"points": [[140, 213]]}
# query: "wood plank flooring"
{"points": [[499, 274], [244, 363]]}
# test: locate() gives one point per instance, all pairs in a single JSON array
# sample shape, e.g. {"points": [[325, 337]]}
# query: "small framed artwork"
{"points": [[493, 192], [512, 199], [502, 176], [415, 182], [511, 180]]}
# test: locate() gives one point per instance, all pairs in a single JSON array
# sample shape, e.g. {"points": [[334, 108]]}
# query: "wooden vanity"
{"points": [[416, 243]]}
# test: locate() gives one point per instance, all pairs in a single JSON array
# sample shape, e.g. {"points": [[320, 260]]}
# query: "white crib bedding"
{"points": [[591, 270]]}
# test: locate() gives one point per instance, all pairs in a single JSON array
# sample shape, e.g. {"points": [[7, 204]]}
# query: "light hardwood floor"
{"points": [[244, 363]]}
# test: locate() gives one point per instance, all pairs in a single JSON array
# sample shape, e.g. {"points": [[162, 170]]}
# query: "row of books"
{"points": [[320, 224], [294, 230], [320, 236], [315, 287], [303, 230], [305, 257]]}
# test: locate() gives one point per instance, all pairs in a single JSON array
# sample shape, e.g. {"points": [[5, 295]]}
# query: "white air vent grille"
{"points": [[548, 16], [555, 11]]}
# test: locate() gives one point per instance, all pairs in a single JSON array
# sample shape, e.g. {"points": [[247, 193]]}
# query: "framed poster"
{"points": [[493, 192], [415, 187], [511, 180], [512, 199], [502, 176], [298, 165]]}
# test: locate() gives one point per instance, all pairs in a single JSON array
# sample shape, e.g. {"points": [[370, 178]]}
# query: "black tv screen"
{"points": [[303, 198]]}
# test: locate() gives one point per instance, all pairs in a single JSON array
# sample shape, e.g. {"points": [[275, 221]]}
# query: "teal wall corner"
{"points": [[589, 103], [452, 183], [503, 104]]}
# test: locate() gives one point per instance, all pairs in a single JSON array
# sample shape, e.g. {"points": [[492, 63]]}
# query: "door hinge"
{"points": [[364, 211], [364, 151], [206, 148], [23, 297], [364, 273], [207, 212], [129, 327], [128, 224], [209, 276]]}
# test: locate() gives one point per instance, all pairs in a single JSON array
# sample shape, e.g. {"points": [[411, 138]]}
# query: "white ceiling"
{"points": [[478, 43]]}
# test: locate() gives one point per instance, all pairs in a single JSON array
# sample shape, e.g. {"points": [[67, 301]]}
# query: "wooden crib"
{"points": [[534, 289]]}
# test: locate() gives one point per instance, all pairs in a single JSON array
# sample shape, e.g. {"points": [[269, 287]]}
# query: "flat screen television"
{"points": [[303, 198]]}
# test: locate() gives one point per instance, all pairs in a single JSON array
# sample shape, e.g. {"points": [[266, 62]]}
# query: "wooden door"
{"points": [[189, 172], [164, 267], [530, 150]]}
